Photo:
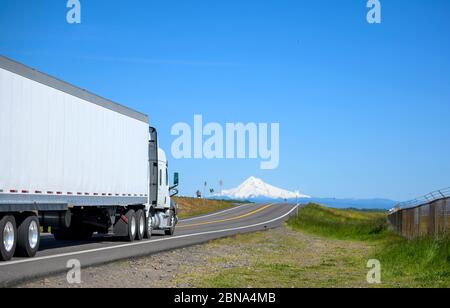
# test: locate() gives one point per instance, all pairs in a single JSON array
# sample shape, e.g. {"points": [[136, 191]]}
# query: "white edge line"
{"points": [[217, 213], [145, 242]]}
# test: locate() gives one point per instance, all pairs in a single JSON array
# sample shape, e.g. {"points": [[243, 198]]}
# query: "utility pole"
{"points": [[204, 192]]}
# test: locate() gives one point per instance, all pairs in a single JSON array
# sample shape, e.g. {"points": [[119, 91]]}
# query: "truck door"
{"points": [[153, 166], [162, 196]]}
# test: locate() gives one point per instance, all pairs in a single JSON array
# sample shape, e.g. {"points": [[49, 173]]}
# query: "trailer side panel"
{"points": [[54, 143]]}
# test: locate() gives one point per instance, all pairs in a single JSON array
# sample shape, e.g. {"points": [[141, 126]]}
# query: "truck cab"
{"points": [[163, 211], [163, 181]]}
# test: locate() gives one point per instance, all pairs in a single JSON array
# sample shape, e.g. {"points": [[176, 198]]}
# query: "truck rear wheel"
{"points": [[140, 220], [8, 237], [149, 228], [28, 237], [132, 225]]}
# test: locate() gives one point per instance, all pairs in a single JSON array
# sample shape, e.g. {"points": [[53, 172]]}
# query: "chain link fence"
{"points": [[428, 215]]}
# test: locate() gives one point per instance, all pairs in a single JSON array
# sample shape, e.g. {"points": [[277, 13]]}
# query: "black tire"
{"points": [[28, 237], [172, 220], [131, 217], [140, 225], [7, 226], [149, 227]]}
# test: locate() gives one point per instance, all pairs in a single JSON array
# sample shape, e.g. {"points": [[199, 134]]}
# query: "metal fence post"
{"points": [[419, 222], [432, 226], [445, 216], [446, 203]]}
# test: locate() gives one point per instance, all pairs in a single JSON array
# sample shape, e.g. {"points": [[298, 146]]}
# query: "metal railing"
{"points": [[425, 216], [428, 198]]}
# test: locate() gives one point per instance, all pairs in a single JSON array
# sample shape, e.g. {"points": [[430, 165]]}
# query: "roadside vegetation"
{"points": [[423, 262], [342, 224], [190, 207]]}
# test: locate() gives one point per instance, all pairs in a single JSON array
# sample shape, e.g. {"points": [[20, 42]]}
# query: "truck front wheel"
{"points": [[8, 237], [28, 237], [172, 222]]}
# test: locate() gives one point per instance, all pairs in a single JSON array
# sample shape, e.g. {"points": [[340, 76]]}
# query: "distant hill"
{"points": [[370, 204]]}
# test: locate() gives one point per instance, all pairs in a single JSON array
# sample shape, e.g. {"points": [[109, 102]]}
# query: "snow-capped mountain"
{"points": [[254, 188]]}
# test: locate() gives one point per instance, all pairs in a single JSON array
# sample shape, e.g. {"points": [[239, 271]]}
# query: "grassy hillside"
{"points": [[190, 207], [423, 262]]}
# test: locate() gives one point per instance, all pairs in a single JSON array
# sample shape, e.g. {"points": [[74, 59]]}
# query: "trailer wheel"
{"points": [[8, 237], [172, 221], [28, 237], [132, 225], [140, 220]]}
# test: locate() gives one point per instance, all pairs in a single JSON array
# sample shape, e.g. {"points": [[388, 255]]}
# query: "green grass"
{"points": [[424, 262], [341, 224]]}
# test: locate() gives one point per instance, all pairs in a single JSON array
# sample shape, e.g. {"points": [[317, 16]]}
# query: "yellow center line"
{"points": [[228, 219]]}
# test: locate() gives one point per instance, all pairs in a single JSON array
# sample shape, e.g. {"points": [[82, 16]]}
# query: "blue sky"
{"points": [[363, 109]]}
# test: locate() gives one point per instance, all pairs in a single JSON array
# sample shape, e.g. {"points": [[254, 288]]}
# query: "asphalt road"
{"points": [[54, 255]]}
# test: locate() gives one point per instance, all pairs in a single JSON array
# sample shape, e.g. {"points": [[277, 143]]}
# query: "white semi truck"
{"points": [[75, 164]]}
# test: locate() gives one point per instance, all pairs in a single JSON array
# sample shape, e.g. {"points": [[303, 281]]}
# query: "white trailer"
{"points": [[75, 163]]}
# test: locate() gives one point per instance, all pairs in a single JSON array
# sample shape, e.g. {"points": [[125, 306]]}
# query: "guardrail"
{"points": [[427, 215]]}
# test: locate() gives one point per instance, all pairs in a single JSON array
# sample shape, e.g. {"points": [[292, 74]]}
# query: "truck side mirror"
{"points": [[176, 179]]}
